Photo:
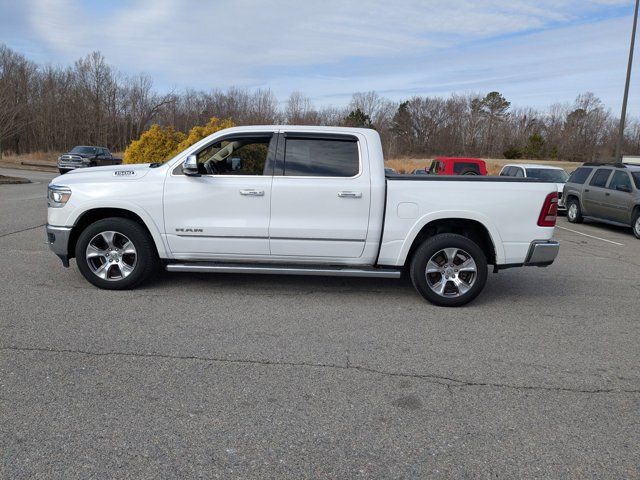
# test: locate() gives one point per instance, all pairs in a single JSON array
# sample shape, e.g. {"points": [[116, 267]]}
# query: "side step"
{"points": [[337, 271]]}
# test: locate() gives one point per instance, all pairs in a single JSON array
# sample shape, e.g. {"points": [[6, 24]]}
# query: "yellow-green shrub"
{"points": [[159, 144], [199, 132], [155, 145]]}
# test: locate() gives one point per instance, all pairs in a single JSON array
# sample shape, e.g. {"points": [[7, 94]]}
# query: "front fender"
{"points": [[154, 228]]}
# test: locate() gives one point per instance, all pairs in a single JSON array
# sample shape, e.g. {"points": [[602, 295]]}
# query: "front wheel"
{"points": [[636, 224], [116, 254], [449, 270]]}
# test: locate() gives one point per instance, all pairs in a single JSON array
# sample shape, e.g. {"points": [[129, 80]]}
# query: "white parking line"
{"points": [[590, 236]]}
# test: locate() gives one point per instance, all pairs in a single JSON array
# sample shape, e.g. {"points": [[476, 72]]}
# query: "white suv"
{"points": [[541, 172]]}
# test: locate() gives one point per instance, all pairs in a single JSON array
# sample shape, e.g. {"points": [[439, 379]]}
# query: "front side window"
{"points": [[321, 157], [636, 179], [505, 172], [600, 177], [620, 179], [235, 156]]}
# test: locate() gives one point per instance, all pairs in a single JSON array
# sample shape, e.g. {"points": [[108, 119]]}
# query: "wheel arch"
{"points": [[92, 215], [473, 229]]}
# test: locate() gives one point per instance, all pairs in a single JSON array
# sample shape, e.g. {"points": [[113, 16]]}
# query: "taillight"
{"points": [[549, 212]]}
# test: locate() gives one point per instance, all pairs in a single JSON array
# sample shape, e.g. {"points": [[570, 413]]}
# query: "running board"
{"points": [[207, 267]]}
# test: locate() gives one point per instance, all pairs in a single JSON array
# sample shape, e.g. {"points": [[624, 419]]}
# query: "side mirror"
{"points": [[190, 166], [623, 188]]}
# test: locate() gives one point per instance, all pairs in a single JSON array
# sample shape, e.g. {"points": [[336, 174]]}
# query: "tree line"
{"points": [[52, 108]]}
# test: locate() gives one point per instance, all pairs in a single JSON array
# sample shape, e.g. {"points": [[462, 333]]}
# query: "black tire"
{"points": [[146, 260], [635, 223], [433, 246], [574, 217]]}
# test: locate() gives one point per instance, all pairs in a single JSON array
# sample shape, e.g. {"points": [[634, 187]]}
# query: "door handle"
{"points": [[252, 193], [607, 194], [350, 194], [586, 189]]}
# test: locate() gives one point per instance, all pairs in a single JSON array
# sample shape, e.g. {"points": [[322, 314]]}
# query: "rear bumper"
{"points": [[58, 241], [542, 253]]}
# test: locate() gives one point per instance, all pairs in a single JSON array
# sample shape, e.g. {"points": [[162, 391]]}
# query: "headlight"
{"points": [[58, 196]]}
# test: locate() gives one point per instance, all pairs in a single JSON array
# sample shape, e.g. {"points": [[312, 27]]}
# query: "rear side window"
{"points": [[321, 157], [580, 175], [460, 168], [620, 179], [600, 177]]}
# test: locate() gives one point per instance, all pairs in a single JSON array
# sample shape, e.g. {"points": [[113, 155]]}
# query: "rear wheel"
{"points": [[116, 254], [449, 270], [574, 213]]}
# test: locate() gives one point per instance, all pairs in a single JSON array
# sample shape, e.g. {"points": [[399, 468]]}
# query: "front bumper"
{"points": [[72, 165], [58, 241], [542, 253]]}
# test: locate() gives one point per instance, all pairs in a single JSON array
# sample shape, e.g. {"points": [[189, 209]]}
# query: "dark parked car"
{"points": [[86, 156], [606, 192]]}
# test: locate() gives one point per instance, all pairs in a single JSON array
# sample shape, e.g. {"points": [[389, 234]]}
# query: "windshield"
{"points": [[548, 174], [84, 150], [636, 179]]}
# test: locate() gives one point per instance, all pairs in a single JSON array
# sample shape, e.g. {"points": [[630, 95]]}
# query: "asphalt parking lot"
{"points": [[225, 376]]}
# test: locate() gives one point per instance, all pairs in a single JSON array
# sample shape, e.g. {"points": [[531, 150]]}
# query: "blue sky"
{"points": [[535, 53]]}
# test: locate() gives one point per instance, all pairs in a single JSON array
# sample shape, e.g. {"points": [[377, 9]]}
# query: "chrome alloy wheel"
{"points": [[636, 227], [451, 272], [572, 213], [111, 256]]}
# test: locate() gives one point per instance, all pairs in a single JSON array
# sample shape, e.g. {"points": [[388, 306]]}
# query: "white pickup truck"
{"points": [[298, 200]]}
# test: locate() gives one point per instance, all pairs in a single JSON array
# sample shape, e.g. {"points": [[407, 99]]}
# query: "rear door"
{"points": [[618, 198], [593, 194], [321, 196]]}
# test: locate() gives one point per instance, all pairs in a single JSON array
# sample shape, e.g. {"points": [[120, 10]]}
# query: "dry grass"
{"points": [[48, 158], [494, 165]]}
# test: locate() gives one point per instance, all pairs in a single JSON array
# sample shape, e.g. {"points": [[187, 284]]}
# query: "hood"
{"points": [[115, 173]]}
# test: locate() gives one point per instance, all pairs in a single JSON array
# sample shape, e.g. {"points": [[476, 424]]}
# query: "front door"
{"points": [[618, 198], [224, 212], [321, 197]]}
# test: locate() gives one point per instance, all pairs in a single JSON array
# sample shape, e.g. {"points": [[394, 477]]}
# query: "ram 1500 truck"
{"points": [[85, 156], [298, 200]]}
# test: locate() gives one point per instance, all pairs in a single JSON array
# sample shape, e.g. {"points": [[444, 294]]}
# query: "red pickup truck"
{"points": [[457, 166]]}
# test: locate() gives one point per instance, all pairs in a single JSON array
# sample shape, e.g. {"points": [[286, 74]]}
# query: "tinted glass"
{"points": [[620, 179], [461, 168], [580, 175], [600, 177], [321, 158], [548, 174], [84, 150], [236, 156], [505, 172], [518, 172], [636, 179]]}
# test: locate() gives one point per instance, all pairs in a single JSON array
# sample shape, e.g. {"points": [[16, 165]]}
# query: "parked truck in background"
{"points": [[86, 156], [298, 200]]}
